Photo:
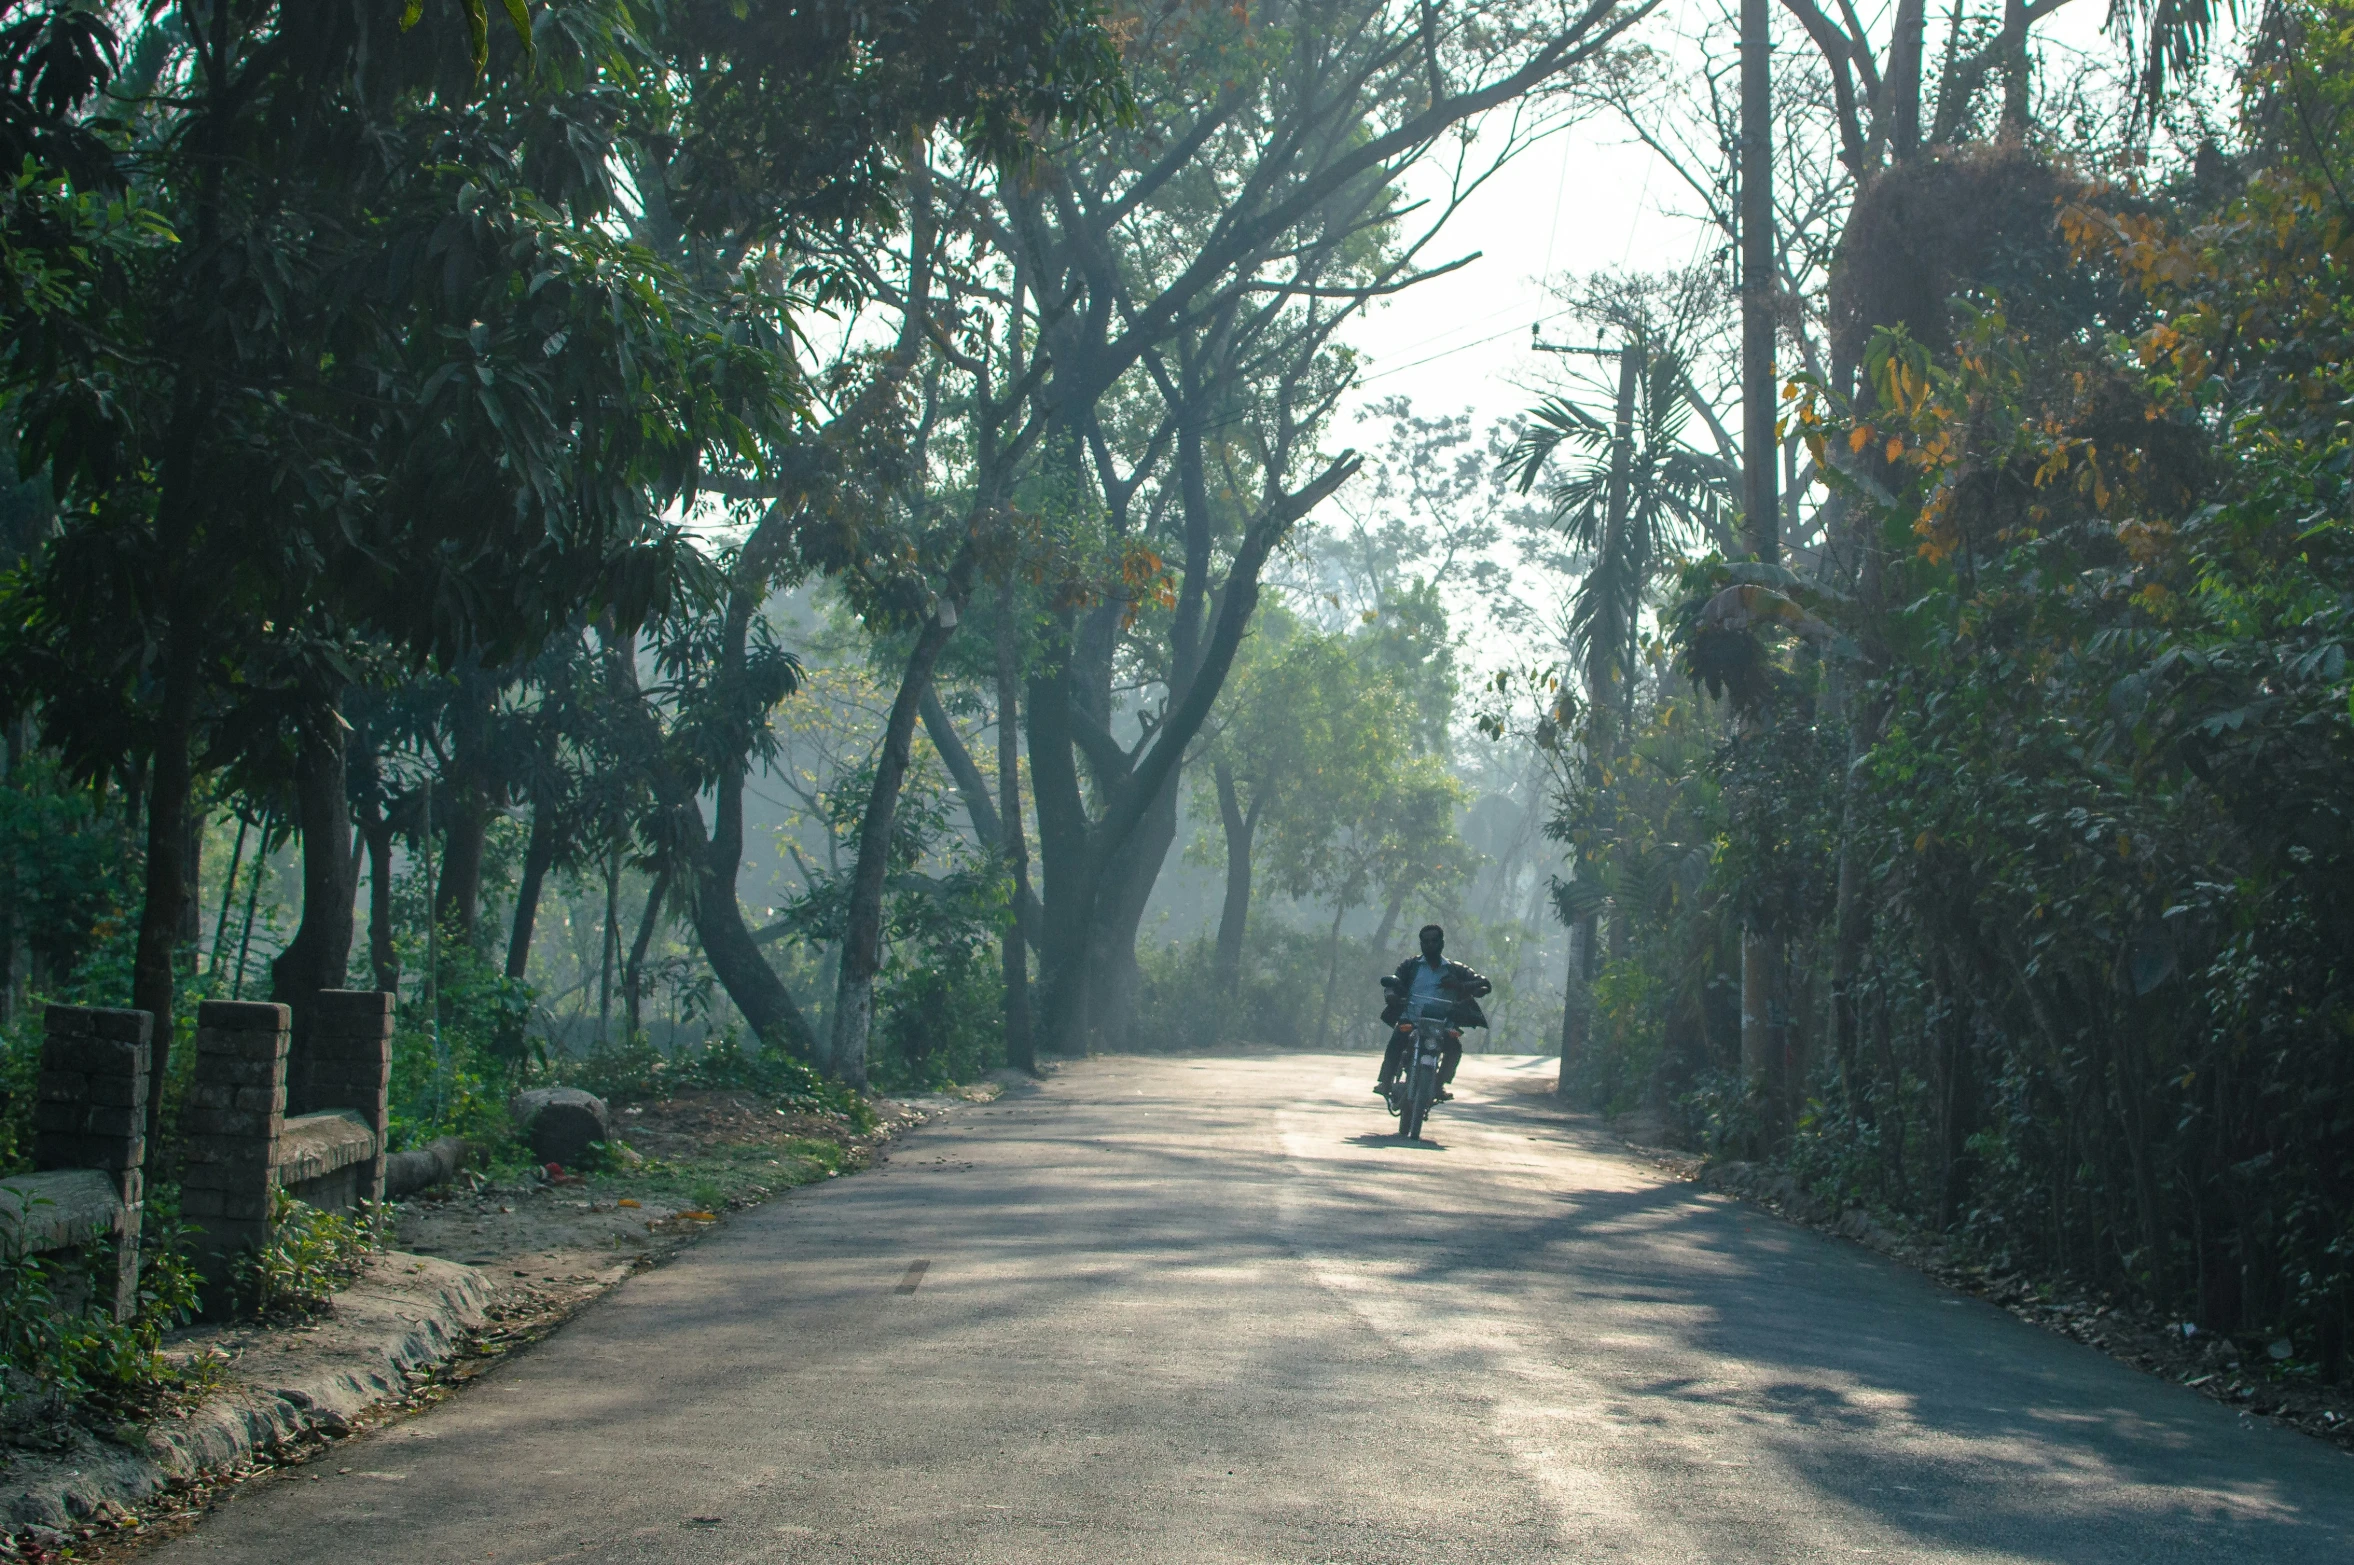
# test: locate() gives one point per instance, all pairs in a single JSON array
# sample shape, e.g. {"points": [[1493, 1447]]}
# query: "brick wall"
{"points": [[229, 1133], [342, 1059], [91, 1112]]}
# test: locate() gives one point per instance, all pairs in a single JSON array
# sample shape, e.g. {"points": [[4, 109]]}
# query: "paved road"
{"points": [[1196, 1310]]}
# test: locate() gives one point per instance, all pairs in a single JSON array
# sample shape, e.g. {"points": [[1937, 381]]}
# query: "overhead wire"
{"points": [[1448, 353]]}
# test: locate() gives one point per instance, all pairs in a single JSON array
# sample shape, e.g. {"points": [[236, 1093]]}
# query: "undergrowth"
{"points": [[63, 1350], [310, 1255], [637, 1072]]}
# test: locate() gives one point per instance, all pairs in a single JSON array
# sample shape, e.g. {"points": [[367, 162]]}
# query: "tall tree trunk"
{"points": [[988, 825], [1760, 512], [633, 976], [1234, 914], [191, 906], [2014, 67], [539, 856], [319, 956], [1761, 1042], [177, 522], [1758, 446], [609, 949], [1021, 1049], [862, 935], [253, 897], [1577, 1006], [466, 833], [1610, 675], [383, 956], [212, 966], [767, 1005], [1067, 883], [1906, 53], [1331, 974], [1124, 892], [466, 804], [170, 784]]}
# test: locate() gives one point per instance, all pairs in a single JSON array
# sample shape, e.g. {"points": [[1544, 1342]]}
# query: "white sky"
{"points": [[1587, 199]]}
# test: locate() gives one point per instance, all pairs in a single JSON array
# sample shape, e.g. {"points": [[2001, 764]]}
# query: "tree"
{"points": [[1640, 496], [361, 413], [1385, 835], [1293, 728], [790, 134], [1186, 275], [1327, 768]]}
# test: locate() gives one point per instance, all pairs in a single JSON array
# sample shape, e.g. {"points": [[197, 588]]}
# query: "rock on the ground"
{"points": [[560, 1123]]}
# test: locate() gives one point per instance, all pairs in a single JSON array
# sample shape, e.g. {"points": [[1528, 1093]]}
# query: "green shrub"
{"points": [[309, 1256], [1724, 1115], [456, 1081], [1277, 1001], [637, 1072], [1619, 1069], [938, 1020], [71, 1351]]}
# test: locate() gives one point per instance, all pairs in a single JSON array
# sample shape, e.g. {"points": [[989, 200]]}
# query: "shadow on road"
{"points": [[1136, 1289], [1376, 1138]]}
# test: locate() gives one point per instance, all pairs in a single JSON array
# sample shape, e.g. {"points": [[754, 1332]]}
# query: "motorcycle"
{"points": [[1417, 1084]]}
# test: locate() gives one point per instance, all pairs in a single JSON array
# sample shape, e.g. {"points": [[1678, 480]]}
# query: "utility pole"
{"points": [[1760, 505], [1576, 1009]]}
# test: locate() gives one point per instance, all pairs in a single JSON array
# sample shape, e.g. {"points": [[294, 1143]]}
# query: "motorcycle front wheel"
{"points": [[1421, 1088]]}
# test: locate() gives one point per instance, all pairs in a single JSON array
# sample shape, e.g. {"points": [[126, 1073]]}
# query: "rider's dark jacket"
{"points": [[1458, 982]]}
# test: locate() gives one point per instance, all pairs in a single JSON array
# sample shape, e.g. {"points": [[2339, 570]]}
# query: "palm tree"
{"points": [[1637, 496]]}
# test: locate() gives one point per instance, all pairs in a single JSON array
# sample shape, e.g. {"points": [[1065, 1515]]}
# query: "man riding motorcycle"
{"points": [[1423, 977]]}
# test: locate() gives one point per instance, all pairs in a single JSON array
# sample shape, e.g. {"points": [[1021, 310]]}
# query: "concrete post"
{"points": [[343, 1060], [92, 1113], [229, 1132]]}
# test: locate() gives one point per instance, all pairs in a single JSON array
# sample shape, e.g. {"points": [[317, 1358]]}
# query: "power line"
{"points": [[1553, 230], [1447, 353], [1473, 324]]}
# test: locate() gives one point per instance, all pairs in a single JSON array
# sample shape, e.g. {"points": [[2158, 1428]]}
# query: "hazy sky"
{"points": [[1582, 201]]}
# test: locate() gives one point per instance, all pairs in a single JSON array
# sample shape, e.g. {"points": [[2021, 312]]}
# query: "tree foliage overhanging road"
{"points": [[792, 531], [1987, 860]]}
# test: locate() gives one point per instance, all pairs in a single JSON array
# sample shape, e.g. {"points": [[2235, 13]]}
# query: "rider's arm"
{"points": [[1469, 982]]}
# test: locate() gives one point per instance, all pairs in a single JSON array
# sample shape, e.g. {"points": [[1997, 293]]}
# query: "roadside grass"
{"points": [[729, 1174]]}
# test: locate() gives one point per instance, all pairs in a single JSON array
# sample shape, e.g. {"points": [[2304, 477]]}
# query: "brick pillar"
{"points": [[229, 1132], [343, 1060], [92, 1113]]}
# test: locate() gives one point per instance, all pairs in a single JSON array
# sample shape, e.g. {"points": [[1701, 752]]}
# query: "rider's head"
{"points": [[1434, 940]]}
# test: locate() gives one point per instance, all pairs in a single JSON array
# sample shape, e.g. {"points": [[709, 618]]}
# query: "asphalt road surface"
{"points": [[1206, 1310]]}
